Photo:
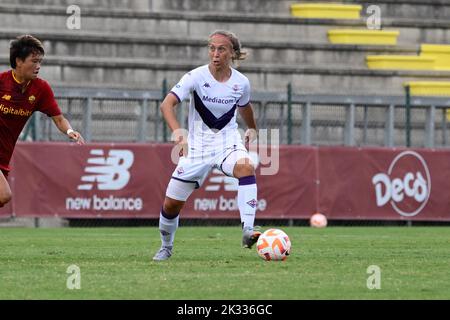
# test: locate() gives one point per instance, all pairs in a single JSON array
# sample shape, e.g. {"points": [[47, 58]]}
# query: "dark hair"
{"points": [[22, 47]]}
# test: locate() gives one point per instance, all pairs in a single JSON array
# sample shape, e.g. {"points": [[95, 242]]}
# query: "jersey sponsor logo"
{"points": [[31, 99], [15, 111], [406, 186], [217, 100], [208, 117], [6, 97], [107, 173]]}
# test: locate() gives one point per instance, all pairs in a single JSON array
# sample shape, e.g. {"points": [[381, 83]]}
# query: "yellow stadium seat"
{"points": [[429, 88], [371, 37], [326, 11], [400, 62], [440, 52]]}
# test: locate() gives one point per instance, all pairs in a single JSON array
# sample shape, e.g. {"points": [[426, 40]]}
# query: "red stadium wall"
{"points": [[129, 181]]}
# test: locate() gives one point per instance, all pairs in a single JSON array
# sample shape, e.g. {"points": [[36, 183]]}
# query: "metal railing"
{"points": [[107, 115]]}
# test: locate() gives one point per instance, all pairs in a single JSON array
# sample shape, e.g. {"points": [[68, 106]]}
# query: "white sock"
{"points": [[167, 228], [247, 202]]}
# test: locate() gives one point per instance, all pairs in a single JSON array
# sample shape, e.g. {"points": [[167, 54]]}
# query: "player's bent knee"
{"points": [[243, 170], [172, 207], [5, 197]]}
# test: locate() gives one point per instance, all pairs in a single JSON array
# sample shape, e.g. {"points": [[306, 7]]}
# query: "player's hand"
{"points": [[76, 136], [179, 136], [250, 136]]}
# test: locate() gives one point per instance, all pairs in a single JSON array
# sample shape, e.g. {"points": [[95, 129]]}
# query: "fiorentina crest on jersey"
{"points": [[252, 203]]}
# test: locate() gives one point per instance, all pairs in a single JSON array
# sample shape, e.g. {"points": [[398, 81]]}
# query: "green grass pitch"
{"points": [[208, 263]]}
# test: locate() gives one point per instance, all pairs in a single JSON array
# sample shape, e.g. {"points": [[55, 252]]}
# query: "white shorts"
{"points": [[192, 171]]}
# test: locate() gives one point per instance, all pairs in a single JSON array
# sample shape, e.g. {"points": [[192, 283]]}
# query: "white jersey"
{"points": [[212, 108]]}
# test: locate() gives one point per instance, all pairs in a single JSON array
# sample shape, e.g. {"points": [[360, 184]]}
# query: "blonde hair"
{"points": [[239, 54]]}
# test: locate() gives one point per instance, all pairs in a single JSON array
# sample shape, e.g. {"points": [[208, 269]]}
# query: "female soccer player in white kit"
{"points": [[216, 90]]}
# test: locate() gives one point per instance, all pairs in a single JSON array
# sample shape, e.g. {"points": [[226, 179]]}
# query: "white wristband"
{"points": [[69, 131]]}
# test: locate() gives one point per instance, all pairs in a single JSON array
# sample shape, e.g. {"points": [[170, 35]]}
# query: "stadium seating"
{"points": [[326, 10], [429, 88], [431, 57], [137, 44], [397, 62], [441, 54], [364, 36]]}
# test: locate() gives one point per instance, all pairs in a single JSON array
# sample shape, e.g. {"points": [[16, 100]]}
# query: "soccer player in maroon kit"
{"points": [[21, 94]]}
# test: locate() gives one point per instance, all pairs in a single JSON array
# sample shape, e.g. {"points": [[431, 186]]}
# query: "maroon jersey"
{"points": [[16, 107]]}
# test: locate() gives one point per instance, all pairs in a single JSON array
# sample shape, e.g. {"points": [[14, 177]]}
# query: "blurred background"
{"points": [[349, 73], [148, 45]]}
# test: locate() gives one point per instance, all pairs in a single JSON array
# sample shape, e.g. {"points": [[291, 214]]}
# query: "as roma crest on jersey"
{"points": [[31, 99]]}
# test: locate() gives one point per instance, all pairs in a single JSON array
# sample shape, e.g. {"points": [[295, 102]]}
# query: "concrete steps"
{"points": [[149, 73], [255, 27], [132, 5], [432, 9], [267, 7], [101, 60], [131, 48], [191, 49]]}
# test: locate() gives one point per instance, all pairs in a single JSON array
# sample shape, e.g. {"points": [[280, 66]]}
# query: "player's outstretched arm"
{"points": [[64, 126]]}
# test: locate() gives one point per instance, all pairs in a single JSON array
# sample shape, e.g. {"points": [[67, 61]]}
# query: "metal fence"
{"points": [[104, 115]]}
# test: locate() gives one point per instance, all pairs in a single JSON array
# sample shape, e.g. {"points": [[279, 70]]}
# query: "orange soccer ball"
{"points": [[273, 245], [318, 220]]}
